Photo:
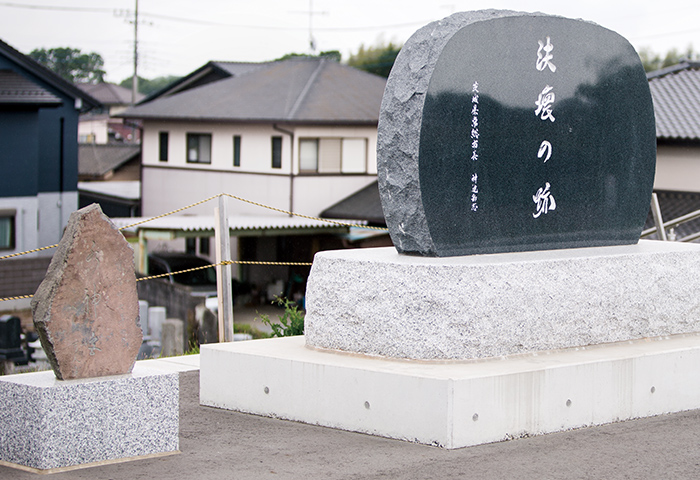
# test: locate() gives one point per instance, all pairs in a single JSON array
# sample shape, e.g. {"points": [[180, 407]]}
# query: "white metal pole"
{"points": [[223, 272]]}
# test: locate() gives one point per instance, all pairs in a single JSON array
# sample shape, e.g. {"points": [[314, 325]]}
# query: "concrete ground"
{"points": [[219, 444]]}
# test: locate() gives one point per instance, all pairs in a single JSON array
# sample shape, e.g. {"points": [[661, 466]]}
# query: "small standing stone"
{"points": [[86, 310]]}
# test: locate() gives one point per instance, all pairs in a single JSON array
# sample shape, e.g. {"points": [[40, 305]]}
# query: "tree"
{"points": [[653, 61], [71, 64], [334, 55], [378, 59], [147, 86]]}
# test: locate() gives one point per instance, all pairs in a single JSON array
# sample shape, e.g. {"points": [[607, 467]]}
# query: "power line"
{"points": [[194, 21]]}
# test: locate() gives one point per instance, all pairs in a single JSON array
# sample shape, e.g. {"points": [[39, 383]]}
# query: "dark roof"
{"points": [[676, 94], [296, 90], [361, 205], [47, 76], [18, 90], [109, 93], [97, 160], [208, 73]]}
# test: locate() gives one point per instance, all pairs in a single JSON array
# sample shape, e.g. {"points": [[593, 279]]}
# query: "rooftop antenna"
{"points": [[311, 13]]}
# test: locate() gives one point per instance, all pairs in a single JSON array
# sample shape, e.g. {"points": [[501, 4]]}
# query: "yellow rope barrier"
{"points": [[230, 262], [342, 224]]}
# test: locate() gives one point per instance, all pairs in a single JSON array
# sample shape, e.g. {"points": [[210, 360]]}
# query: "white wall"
{"points": [[54, 211], [256, 146], [166, 189], [97, 128], [677, 168], [173, 184], [39, 221]]}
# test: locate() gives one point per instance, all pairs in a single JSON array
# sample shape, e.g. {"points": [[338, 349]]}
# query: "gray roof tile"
{"points": [[676, 95], [96, 160], [18, 90], [109, 93], [297, 90]]}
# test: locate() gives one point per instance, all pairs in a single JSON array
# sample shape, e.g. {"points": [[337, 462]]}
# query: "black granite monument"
{"points": [[504, 131]]}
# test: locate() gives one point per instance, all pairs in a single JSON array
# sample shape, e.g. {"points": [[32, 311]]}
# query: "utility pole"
{"points": [[311, 13], [135, 78]]}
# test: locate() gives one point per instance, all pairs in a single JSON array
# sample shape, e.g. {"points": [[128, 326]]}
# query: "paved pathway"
{"points": [[218, 444]]}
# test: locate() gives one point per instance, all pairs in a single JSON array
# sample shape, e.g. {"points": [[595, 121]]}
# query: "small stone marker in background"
{"points": [[503, 131], [86, 310]]}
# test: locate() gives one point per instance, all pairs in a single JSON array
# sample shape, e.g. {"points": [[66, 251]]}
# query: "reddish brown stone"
{"points": [[86, 309]]}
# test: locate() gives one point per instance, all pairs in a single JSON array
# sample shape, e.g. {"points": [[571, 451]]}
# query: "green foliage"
{"points": [[291, 322], [71, 64], [378, 59], [147, 86], [654, 61], [334, 55], [253, 332]]}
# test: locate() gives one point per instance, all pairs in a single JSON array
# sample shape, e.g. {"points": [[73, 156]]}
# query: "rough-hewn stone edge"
{"points": [[378, 302], [41, 301], [400, 124]]}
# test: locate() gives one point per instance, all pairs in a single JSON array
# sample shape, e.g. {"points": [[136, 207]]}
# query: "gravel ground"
{"points": [[218, 444]]}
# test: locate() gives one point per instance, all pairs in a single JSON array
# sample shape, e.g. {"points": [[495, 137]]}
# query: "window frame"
{"points": [[11, 215], [236, 150], [276, 152], [198, 136], [310, 140], [163, 146]]}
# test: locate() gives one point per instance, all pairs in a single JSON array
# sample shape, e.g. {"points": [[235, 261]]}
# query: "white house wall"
{"points": [[39, 221], [256, 153], [166, 189], [54, 210], [677, 168], [175, 183], [98, 129]]}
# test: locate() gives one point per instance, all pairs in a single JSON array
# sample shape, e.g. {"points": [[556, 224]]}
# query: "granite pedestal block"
{"points": [[378, 302], [47, 424]]}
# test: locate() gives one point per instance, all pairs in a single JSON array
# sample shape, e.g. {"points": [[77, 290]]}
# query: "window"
{"points": [[7, 229], [204, 245], [191, 245], [163, 146], [198, 148], [236, 150], [308, 154], [333, 155], [329, 155], [354, 155], [276, 152]]}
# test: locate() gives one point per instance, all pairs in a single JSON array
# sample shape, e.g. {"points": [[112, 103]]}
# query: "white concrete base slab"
{"points": [[454, 404]]}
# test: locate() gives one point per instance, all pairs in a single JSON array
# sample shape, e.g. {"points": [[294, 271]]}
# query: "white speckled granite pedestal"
{"points": [[469, 350], [377, 302], [48, 424]]}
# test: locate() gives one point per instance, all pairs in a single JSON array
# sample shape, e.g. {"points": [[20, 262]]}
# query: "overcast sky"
{"points": [[176, 37]]}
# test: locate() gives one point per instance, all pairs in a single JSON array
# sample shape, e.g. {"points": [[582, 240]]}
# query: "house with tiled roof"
{"points": [[39, 157], [100, 125], [298, 135], [675, 92]]}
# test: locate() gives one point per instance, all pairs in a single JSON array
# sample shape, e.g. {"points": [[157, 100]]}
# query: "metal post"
{"points": [[656, 213], [223, 272]]}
